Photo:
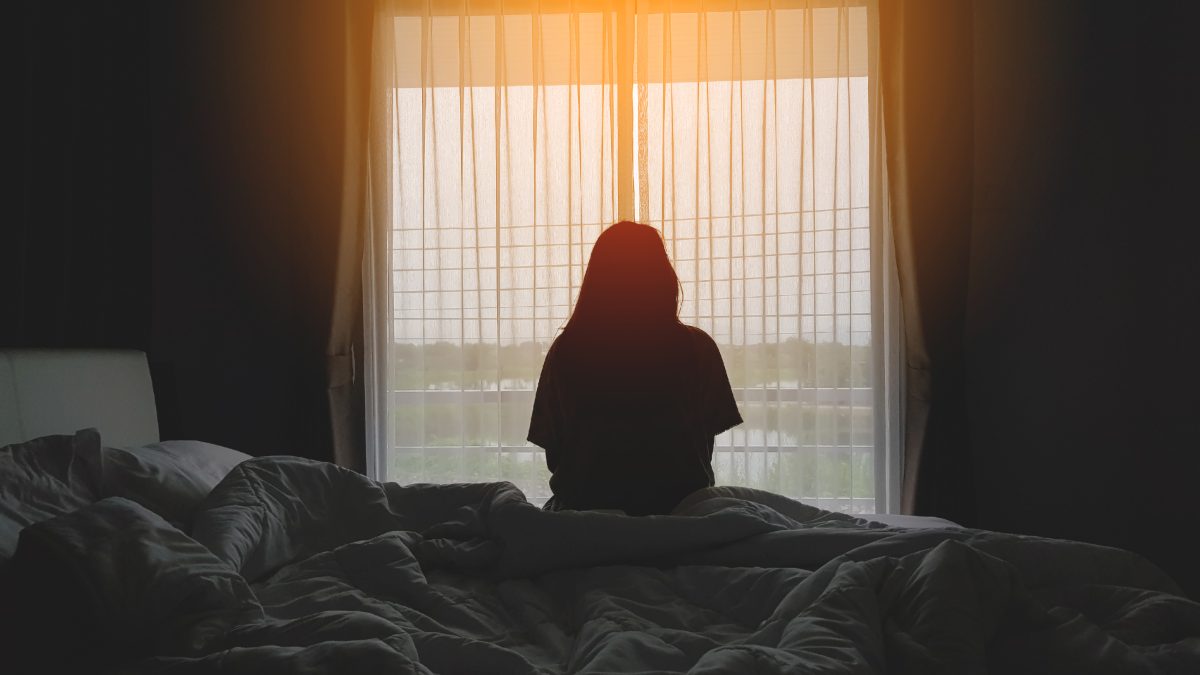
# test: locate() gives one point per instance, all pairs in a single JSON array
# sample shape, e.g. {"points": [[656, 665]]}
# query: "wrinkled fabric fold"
{"points": [[296, 566]]}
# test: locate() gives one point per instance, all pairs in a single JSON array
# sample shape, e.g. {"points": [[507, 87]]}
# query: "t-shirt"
{"points": [[628, 422]]}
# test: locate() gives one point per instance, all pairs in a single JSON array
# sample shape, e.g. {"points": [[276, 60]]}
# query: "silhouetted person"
{"points": [[629, 398]]}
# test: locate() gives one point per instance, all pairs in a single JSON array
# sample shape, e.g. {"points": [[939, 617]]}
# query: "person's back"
{"points": [[628, 401]]}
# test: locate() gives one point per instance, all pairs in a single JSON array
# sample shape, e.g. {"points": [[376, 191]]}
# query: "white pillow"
{"points": [[55, 475], [170, 478], [43, 478]]}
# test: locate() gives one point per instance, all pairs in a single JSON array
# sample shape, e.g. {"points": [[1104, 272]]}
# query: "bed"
{"points": [[185, 557]]}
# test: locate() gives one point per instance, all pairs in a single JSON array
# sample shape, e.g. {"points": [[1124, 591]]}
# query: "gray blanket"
{"points": [[295, 566]]}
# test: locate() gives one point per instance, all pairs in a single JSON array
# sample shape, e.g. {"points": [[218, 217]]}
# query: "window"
{"points": [[742, 132]]}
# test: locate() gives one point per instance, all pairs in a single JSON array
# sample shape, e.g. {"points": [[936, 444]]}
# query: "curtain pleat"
{"points": [[925, 79], [494, 140], [758, 120], [344, 391]]}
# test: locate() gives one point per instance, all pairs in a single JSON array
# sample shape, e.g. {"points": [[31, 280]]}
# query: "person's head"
{"points": [[629, 279]]}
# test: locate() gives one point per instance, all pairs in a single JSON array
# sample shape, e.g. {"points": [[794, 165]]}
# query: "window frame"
{"points": [[886, 322]]}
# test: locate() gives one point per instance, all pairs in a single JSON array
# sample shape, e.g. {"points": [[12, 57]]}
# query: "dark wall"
{"points": [[75, 240], [247, 141], [178, 192], [1081, 332]]}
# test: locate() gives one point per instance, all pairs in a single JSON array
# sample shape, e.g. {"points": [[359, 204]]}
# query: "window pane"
{"points": [[752, 159]]}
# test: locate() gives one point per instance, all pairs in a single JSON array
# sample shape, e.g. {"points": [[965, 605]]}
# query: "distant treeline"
{"points": [[791, 362], [798, 474], [416, 422]]}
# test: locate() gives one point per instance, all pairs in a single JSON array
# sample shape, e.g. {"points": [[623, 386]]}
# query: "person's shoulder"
{"points": [[557, 345], [698, 334], [702, 340]]}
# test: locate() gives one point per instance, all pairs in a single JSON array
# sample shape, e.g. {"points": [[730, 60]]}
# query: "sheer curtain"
{"points": [[506, 135]]}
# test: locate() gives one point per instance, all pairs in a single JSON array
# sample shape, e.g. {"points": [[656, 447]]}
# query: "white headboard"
{"points": [[58, 391]]}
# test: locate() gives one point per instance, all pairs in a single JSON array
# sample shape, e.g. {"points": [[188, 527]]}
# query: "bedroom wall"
{"points": [[75, 237], [1081, 331], [247, 141], [178, 192]]}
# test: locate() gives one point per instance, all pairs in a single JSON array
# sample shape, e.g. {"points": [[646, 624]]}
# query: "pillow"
{"points": [[54, 475], [170, 478], [44, 478]]}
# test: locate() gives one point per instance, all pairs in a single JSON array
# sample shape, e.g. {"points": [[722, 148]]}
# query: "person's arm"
{"points": [[544, 422], [720, 407]]}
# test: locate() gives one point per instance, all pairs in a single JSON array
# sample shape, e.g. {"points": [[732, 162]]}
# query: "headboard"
{"points": [[58, 391]]}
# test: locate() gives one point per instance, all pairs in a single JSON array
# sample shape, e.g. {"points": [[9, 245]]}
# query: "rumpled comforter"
{"points": [[295, 566]]}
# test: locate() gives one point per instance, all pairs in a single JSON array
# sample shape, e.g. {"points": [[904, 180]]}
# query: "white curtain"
{"points": [[506, 135]]}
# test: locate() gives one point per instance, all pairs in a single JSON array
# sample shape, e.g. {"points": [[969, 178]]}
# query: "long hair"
{"points": [[629, 282]]}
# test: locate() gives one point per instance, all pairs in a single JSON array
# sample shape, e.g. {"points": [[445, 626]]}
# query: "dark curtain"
{"points": [[183, 174], [925, 78], [249, 138], [345, 362], [1081, 330], [75, 239]]}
